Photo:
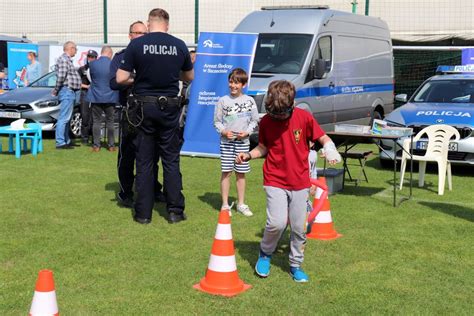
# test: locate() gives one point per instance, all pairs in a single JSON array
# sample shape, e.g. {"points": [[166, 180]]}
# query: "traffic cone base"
{"points": [[44, 299], [238, 286], [222, 277], [323, 226]]}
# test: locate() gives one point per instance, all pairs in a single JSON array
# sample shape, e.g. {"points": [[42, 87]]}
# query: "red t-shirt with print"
{"points": [[286, 165]]}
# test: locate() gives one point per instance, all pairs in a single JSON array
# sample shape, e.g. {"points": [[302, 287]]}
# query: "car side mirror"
{"points": [[319, 68], [401, 97]]}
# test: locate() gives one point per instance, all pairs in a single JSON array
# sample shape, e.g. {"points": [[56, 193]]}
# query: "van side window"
{"points": [[324, 51]]}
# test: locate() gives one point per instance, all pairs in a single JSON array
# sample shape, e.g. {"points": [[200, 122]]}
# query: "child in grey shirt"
{"points": [[235, 117]]}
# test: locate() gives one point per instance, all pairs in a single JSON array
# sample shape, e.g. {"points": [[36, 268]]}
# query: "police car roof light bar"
{"points": [[459, 69]]}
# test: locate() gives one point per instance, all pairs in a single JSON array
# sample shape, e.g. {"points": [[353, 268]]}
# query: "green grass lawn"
{"points": [[58, 211]]}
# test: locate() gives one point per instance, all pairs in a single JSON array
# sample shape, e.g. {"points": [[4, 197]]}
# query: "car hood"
{"points": [[433, 113], [259, 82], [26, 95]]}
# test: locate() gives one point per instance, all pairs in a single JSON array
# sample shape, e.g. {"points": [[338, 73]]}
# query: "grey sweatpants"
{"points": [[283, 207]]}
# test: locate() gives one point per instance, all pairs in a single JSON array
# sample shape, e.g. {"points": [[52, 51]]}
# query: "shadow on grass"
{"points": [[214, 200], [160, 208], [359, 190], [463, 212], [457, 170], [249, 251]]}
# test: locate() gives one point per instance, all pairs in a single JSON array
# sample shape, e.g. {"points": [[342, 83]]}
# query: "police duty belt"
{"points": [[161, 101]]}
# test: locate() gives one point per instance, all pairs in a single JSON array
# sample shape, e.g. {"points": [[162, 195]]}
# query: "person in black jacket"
{"points": [[86, 124], [128, 133]]}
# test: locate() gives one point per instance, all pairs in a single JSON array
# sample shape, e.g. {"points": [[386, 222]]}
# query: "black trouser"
{"points": [[86, 124], [126, 159], [158, 131], [97, 110]]}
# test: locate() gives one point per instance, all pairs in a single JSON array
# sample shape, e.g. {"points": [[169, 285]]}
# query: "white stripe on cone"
{"points": [[323, 217], [318, 193], [44, 303], [222, 263], [223, 232]]}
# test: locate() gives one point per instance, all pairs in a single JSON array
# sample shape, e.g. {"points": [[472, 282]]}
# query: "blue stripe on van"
{"points": [[326, 91]]}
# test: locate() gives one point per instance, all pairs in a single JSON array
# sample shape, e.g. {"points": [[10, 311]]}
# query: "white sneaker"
{"points": [[244, 209], [227, 207]]}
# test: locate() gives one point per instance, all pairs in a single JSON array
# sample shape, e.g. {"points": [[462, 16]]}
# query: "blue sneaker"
{"points": [[298, 275], [263, 265]]}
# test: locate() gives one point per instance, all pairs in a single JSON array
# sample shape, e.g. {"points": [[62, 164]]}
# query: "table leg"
{"points": [[394, 173], [10, 143], [411, 164], [17, 145]]}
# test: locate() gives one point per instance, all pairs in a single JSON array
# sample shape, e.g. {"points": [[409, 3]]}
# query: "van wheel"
{"points": [[377, 115], [75, 124]]}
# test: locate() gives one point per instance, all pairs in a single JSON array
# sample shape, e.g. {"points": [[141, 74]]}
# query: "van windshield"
{"points": [[281, 53]]}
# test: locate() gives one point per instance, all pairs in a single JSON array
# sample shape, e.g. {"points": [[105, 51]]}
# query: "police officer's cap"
{"points": [[92, 53]]}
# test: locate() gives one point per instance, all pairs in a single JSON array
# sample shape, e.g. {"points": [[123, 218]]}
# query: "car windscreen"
{"points": [[47, 81], [281, 53], [446, 91]]}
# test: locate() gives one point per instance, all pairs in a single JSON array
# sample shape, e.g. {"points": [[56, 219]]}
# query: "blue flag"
{"points": [[217, 54]]}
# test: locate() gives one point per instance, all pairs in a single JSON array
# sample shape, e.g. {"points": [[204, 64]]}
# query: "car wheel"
{"points": [[75, 124]]}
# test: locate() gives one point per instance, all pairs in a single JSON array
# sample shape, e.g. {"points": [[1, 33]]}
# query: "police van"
{"points": [[341, 63], [446, 98]]}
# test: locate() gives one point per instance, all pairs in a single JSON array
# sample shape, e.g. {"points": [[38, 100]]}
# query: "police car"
{"points": [[447, 98]]}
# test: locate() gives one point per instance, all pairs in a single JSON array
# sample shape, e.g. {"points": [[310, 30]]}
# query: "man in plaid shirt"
{"points": [[68, 83]]}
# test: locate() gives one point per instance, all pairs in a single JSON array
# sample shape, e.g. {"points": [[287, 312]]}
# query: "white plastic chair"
{"points": [[439, 137]]}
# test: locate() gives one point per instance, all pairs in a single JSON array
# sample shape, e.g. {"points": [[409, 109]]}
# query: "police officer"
{"points": [[160, 60], [128, 133]]}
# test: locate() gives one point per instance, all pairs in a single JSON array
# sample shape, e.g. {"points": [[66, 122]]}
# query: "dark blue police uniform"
{"points": [[158, 58], [127, 136]]}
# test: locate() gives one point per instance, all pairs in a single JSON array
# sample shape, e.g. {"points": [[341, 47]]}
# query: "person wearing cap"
{"points": [[33, 69], [86, 115], [160, 60], [103, 99]]}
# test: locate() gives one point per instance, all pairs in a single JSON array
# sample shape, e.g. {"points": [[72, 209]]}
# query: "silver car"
{"points": [[36, 104]]}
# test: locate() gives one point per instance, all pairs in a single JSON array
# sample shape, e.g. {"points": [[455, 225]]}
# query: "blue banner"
{"points": [[468, 56], [17, 62], [217, 54]]}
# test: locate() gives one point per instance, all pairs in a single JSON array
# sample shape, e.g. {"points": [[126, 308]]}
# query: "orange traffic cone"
{"points": [[322, 227], [44, 299], [221, 276]]}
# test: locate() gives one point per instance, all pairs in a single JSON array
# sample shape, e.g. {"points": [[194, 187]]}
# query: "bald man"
{"points": [[102, 98], [68, 83]]}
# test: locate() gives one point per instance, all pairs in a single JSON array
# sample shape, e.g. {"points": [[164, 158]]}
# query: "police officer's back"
{"points": [[160, 60]]}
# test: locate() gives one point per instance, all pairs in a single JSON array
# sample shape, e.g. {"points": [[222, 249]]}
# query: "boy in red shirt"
{"points": [[284, 136]]}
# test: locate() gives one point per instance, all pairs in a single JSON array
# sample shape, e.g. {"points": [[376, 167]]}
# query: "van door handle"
{"points": [[331, 84]]}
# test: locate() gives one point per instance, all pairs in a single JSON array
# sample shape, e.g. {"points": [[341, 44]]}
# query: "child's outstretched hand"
{"points": [[312, 190], [331, 153]]}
